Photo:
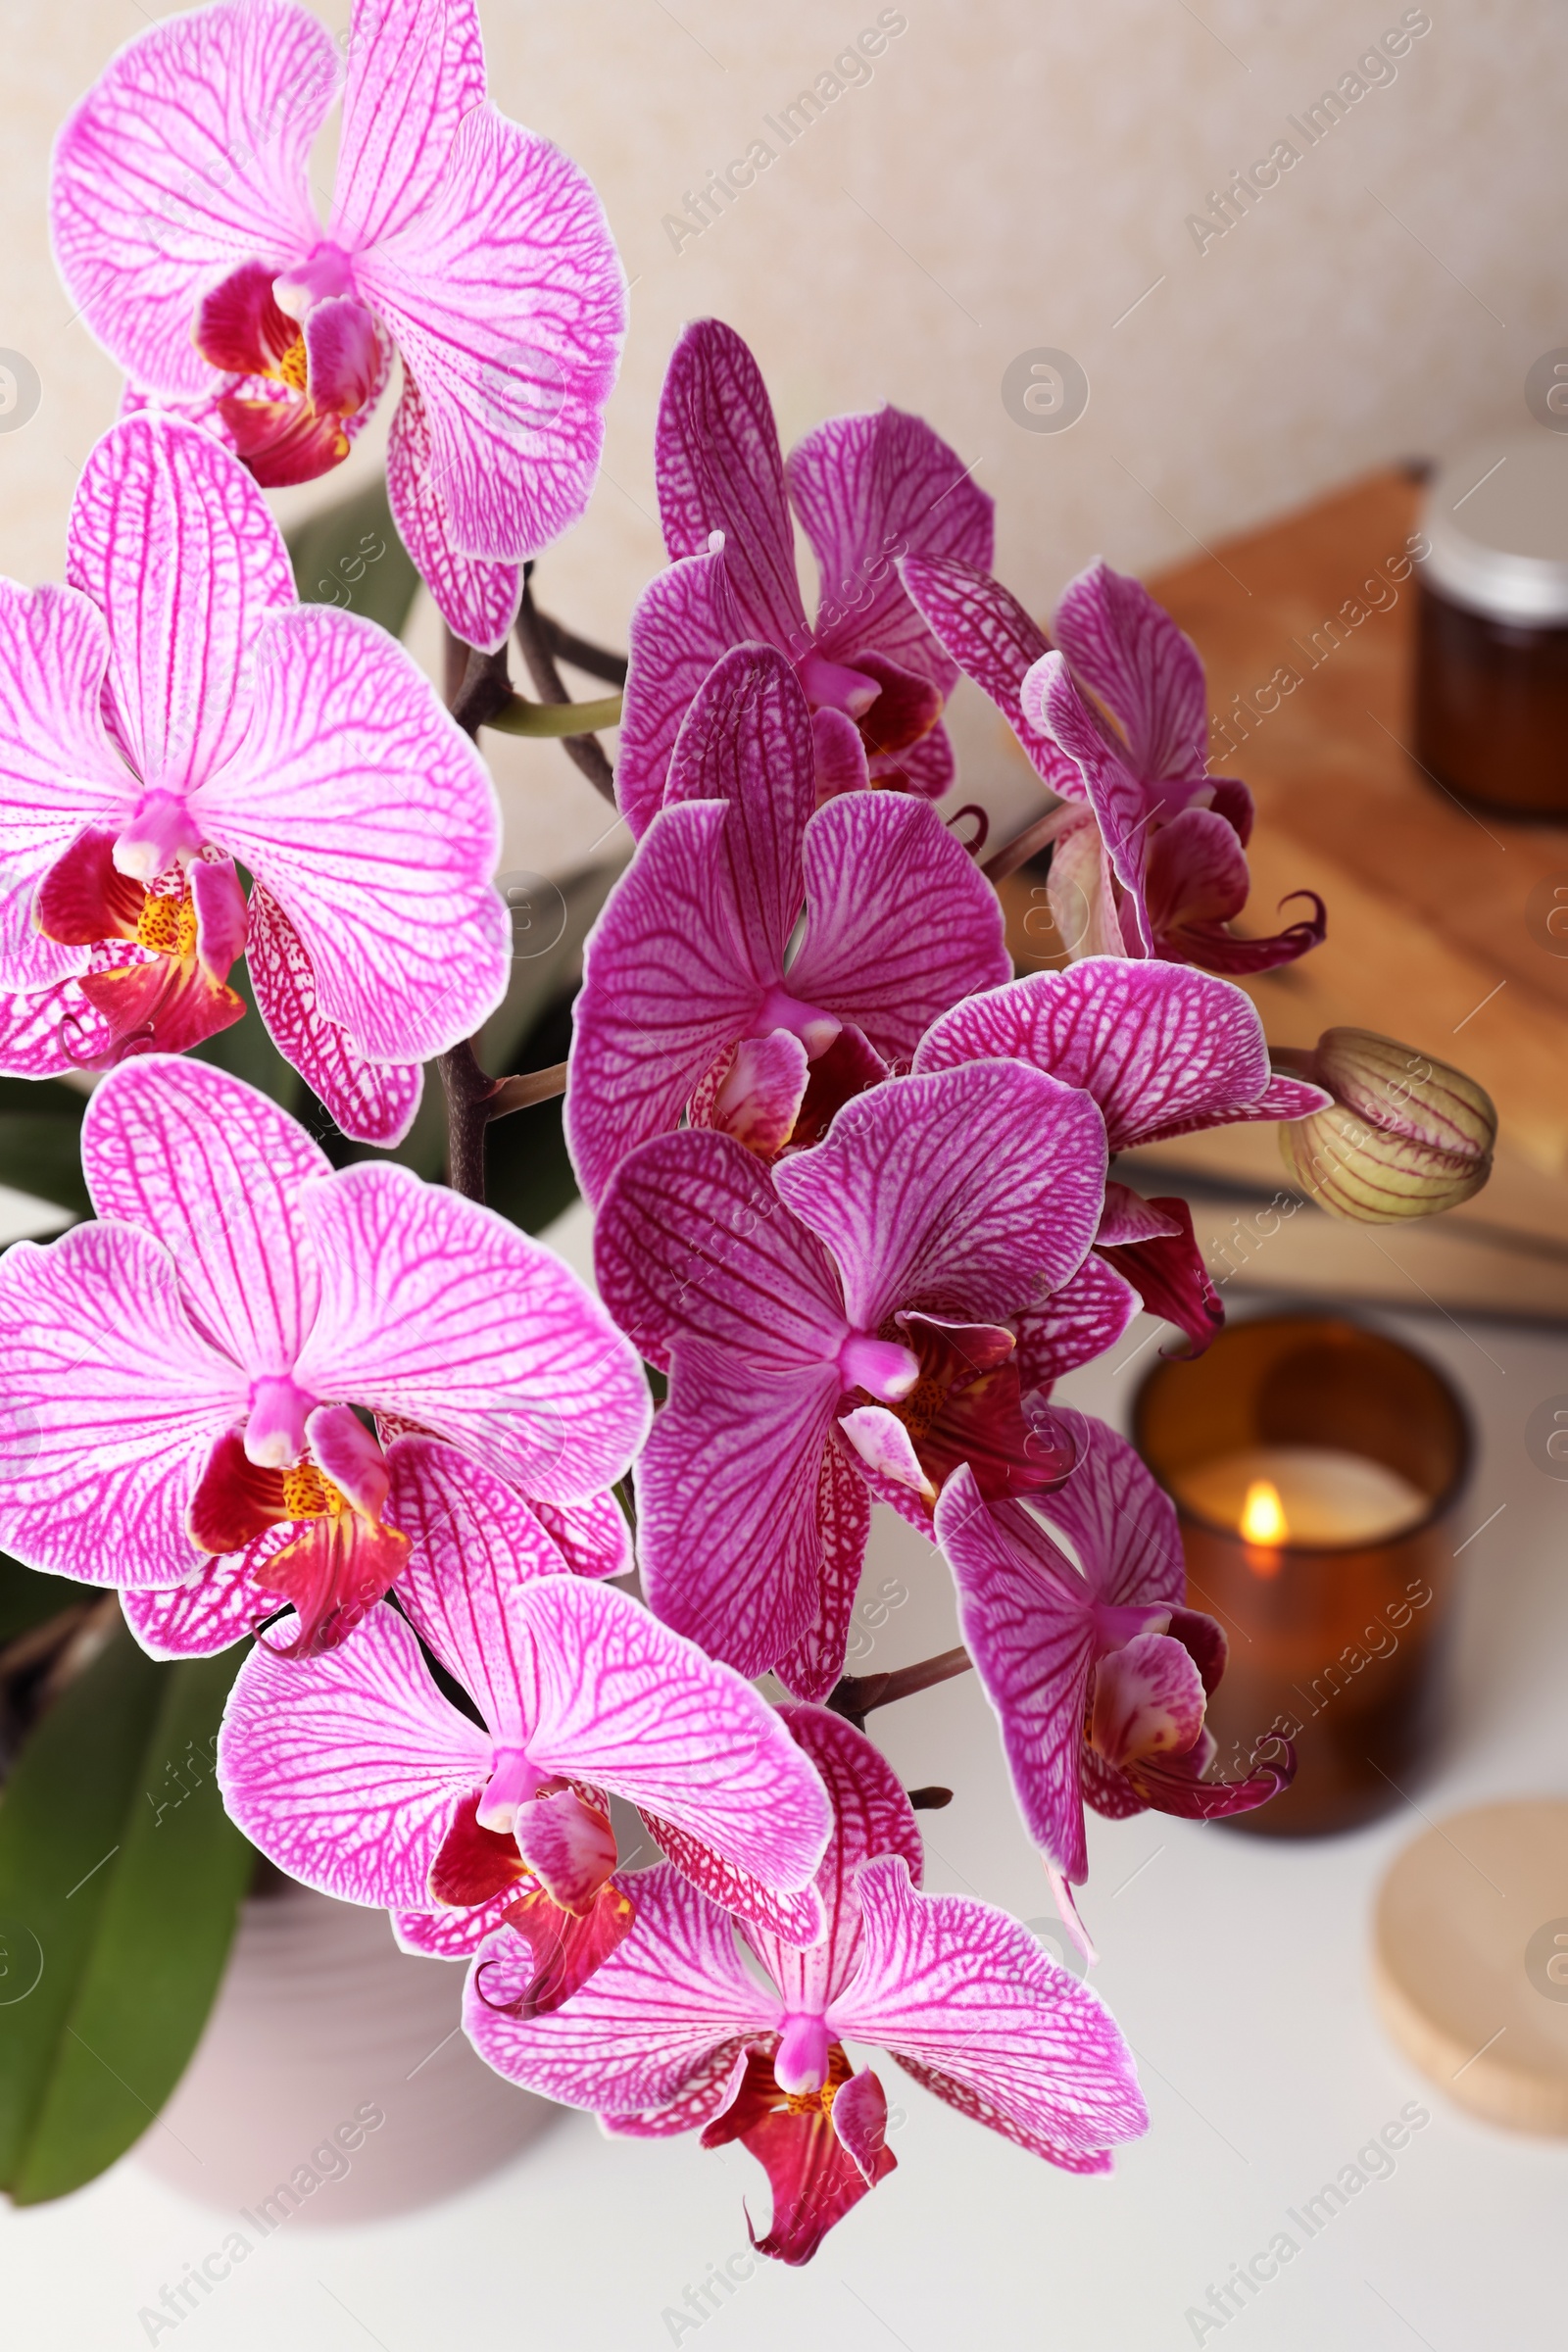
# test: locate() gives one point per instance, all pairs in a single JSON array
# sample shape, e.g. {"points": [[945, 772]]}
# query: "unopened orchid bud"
{"points": [[1405, 1136]]}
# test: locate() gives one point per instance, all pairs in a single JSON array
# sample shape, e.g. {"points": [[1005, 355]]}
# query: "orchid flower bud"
{"points": [[1405, 1136]]}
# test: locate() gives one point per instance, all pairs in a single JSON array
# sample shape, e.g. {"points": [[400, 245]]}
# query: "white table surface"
{"points": [[1237, 1967]]}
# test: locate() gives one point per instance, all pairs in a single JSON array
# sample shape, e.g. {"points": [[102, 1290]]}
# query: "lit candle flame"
{"points": [[1263, 1513]]}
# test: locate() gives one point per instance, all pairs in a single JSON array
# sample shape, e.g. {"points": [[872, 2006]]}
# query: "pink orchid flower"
{"points": [[184, 228], [1149, 850], [175, 712], [866, 489], [180, 1378], [1073, 1610], [694, 996], [1164, 1051], [356, 1775], [675, 2033], [859, 1324]]}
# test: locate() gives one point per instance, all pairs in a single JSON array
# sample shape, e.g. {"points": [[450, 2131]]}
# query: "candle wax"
{"points": [[1325, 1495]]}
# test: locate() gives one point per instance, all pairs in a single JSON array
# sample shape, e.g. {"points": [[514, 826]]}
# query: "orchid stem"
{"points": [[1027, 844], [538, 641], [593, 661], [855, 1695]]}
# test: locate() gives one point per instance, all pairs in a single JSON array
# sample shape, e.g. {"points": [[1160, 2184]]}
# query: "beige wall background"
{"points": [[1011, 175]]}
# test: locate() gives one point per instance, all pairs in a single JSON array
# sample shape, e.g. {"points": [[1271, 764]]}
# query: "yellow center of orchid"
{"points": [[167, 924], [292, 366], [811, 2102], [307, 1495]]}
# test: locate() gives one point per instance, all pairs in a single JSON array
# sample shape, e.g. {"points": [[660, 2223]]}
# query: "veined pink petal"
{"points": [[1164, 1049], [901, 922], [994, 641], [797, 1918], [1144, 669], [810, 1668], [346, 1769], [693, 1236], [1197, 880], [592, 1535], [571, 1848], [214, 1169], [372, 1101], [710, 2089], [685, 620], [872, 1815], [220, 1605], [1122, 802], [860, 2121], [415, 69], [728, 1530], [719, 465], [441, 1311], [870, 489], [747, 741], [648, 2021], [917, 1214], [478, 601], [1027, 1618], [618, 1697], [55, 1034], [59, 772], [186, 158], [1167, 1271], [361, 808], [1075, 1324], [665, 989], [173, 543], [451, 1935], [966, 1993], [1148, 1700], [507, 300], [1120, 1523], [475, 1546], [109, 1401]]}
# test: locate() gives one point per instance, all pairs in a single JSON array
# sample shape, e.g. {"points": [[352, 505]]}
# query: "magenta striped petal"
{"points": [[1027, 1620], [993, 640], [901, 924], [174, 544], [216, 1171], [55, 1034], [747, 741], [810, 1668], [646, 2025], [477, 599], [1164, 1049], [729, 1531], [963, 1991], [870, 489], [109, 1401], [685, 620], [451, 1935], [927, 768], [415, 68], [919, 1213], [372, 1101], [872, 1815], [1122, 805], [442, 1312], [368, 814], [592, 1537], [346, 1769], [693, 1236], [1144, 669], [59, 772], [186, 158], [613, 1695], [796, 1917], [719, 465], [220, 1605], [1075, 1324], [506, 297], [1120, 1523], [709, 2091]]}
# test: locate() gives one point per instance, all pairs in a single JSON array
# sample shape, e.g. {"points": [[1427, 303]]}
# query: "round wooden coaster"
{"points": [[1470, 1960]]}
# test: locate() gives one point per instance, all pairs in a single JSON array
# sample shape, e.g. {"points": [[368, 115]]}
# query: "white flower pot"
{"points": [[333, 2082]]}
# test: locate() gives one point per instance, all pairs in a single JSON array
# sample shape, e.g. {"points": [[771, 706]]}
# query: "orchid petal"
{"points": [[649, 2019], [449, 1934], [719, 465], [967, 1994], [1122, 802], [1145, 672], [795, 1918], [917, 1215], [1168, 1273], [901, 922], [186, 158], [927, 768], [591, 1535], [747, 741], [859, 2119], [1120, 1523], [569, 1846], [221, 1606], [810, 1668], [415, 69], [216, 1170], [1148, 1700], [361, 806], [55, 1034], [991, 637], [441, 1311], [814, 2180], [347, 1769], [371, 1101], [507, 300], [109, 1401], [173, 543], [477, 599], [1197, 880], [685, 620]]}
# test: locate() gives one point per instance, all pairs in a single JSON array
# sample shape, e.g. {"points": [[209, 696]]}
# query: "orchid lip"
{"points": [[514, 1780], [274, 1433], [799, 2063]]}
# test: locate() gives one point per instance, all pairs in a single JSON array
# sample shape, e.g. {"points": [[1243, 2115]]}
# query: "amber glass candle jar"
{"points": [[1337, 1625], [1492, 633]]}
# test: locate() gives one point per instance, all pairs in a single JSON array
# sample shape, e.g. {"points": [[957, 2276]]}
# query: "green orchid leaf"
{"points": [[121, 1882]]}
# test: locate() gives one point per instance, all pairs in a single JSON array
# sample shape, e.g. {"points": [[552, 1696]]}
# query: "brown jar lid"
{"points": [[1496, 522]]}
